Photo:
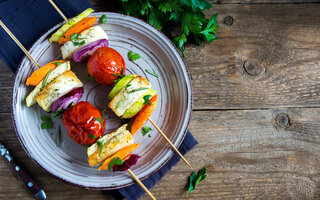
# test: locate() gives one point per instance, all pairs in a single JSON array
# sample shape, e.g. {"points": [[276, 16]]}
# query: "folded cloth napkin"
{"points": [[28, 20]]}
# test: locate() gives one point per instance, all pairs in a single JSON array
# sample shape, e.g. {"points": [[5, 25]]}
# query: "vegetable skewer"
{"points": [[58, 10], [140, 183], [167, 139], [19, 44]]}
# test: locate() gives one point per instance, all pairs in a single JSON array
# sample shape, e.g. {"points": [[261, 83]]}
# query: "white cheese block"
{"points": [[88, 36], [94, 147], [57, 88], [31, 98], [113, 145], [128, 95]]}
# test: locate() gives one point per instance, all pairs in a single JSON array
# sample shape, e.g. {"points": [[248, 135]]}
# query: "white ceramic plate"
{"points": [[69, 162]]}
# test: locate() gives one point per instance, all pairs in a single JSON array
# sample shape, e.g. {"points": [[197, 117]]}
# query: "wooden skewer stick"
{"points": [[141, 184], [19, 44], [58, 10], [167, 139]]}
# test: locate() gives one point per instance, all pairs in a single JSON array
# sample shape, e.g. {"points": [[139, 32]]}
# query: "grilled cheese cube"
{"points": [[57, 88], [88, 36], [110, 147], [31, 98], [128, 95]]}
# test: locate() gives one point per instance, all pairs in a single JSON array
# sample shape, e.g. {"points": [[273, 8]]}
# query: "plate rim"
{"points": [[104, 187]]}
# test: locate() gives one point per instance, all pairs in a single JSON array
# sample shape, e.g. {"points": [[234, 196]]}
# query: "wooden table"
{"points": [[256, 110]]}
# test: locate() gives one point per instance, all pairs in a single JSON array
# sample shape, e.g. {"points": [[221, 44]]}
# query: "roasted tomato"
{"points": [[104, 63], [83, 123]]}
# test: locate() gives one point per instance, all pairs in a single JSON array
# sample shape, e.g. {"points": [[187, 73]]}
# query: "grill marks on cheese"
{"points": [[57, 88], [127, 96]]}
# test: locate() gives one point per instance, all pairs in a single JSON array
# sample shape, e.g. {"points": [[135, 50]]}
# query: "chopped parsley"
{"points": [[57, 63], [45, 80], [91, 78], [117, 105], [74, 37], [133, 56], [115, 161], [145, 130], [152, 73], [92, 136], [128, 85], [147, 99], [119, 76], [103, 19], [196, 178], [138, 89], [100, 144], [47, 122]]}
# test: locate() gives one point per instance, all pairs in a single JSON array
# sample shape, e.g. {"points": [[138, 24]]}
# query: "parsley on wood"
{"points": [[196, 178], [180, 20], [115, 161]]}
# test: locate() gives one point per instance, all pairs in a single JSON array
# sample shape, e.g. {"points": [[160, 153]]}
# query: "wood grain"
{"points": [[247, 157], [266, 62]]}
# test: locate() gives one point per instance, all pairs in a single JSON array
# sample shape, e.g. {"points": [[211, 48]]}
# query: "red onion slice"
{"points": [[83, 54], [132, 160], [71, 97]]}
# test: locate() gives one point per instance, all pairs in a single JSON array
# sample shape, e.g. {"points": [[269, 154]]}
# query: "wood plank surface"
{"points": [[247, 155], [256, 109]]}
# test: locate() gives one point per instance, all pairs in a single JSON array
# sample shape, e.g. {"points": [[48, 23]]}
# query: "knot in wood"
{"points": [[228, 21], [253, 70], [282, 120]]}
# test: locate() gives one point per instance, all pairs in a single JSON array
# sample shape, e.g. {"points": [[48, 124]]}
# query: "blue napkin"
{"points": [[135, 191], [28, 20]]}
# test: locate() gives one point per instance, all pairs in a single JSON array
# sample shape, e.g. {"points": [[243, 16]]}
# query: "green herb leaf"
{"points": [[145, 130], [92, 136], [146, 99], [115, 161], [138, 89], [100, 144], [117, 105], [196, 178], [103, 19], [57, 63], [152, 73], [79, 43], [149, 135], [133, 56], [45, 80], [58, 137], [181, 20], [91, 78], [74, 36], [47, 122], [97, 119], [128, 85]]}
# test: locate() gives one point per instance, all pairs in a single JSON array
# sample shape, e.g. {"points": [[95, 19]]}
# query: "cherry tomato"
{"points": [[104, 63], [83, 123]]}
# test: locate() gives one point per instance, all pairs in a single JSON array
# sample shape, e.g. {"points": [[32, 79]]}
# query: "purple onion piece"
{"points": [[71, 97], [83, 54], [132, 160]]}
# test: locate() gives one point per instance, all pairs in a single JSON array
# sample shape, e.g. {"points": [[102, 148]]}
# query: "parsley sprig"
{"points": [[75, 37], [185, 18], [196, 178], [100, 144], [133, 56], [147, 99]]}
